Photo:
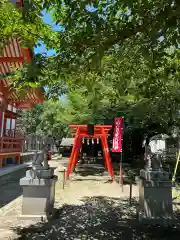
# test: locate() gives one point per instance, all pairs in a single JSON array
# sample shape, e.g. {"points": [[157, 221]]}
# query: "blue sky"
{"points": [[42, 48], [47, 19]]}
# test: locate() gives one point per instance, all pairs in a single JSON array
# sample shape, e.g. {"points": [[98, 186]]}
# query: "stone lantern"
{"points": [[3, 103], [155, 192]]}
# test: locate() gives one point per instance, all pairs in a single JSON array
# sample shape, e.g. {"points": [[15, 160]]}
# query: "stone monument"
{"points": [[38, 189], [155, 192]]}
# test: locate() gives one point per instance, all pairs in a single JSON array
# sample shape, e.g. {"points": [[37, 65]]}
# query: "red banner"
{"points": [[117, 137]]}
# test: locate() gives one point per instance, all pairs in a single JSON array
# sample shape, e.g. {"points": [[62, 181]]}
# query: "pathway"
{"points": [[89, 207]]}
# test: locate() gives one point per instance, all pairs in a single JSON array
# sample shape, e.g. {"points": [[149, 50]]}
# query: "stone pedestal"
{"points": [[155, 198], [38, 196], [153, 175]]}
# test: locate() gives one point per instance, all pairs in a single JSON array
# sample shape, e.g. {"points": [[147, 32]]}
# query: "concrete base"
{"points": [[154, 175], [38, 197], [40, 173], [37, 218], [155, 202], [165, 222]]}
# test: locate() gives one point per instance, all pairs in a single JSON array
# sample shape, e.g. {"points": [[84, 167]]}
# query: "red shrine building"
{"points": [[13, 56]]}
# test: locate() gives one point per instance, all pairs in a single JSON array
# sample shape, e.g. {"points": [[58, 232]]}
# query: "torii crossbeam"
{"points": [[100, 132]]}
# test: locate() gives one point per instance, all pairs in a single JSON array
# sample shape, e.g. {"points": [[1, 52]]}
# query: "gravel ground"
{"points": [[89, 207]]}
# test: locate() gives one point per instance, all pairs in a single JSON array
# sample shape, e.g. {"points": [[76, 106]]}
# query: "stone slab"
{"points": [[13, 168], [155, 221], [155, 184], [36, 218], [154, 175], [37, 182], [155, 201], [38, 196]]}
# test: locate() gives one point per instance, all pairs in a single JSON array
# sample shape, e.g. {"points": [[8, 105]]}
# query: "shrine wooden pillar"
{"points": [[1, 132], [1, 123]]}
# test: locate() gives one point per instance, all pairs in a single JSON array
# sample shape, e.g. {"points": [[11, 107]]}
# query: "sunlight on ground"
{"points": [[89, 207]]}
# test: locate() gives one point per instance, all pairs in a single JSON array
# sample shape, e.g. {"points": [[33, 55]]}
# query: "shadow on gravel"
{"points": [[90, 169], [98, 218]]}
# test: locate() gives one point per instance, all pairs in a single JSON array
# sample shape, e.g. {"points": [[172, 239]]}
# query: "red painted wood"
{"points": [[100, 132], [20, 4], [12, 154], [95, 126], [1, 117], [14, 53], [25, 105], [20, 55], [11, 59], [9, 114], [27, 54], [10, 144]]}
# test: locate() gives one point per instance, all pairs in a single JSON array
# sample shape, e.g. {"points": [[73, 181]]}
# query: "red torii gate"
{"points": [[100, 132]]}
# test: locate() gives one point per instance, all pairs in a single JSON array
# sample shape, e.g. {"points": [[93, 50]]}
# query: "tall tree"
{"points": [[13, 24], [118, 55], [91, 29], [44, 120]]}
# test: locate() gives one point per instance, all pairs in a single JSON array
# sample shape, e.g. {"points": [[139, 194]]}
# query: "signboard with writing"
{"points": [[117, 137]]}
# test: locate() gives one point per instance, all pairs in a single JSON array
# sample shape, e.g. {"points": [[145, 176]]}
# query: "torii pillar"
{"points": [[100, 132]]}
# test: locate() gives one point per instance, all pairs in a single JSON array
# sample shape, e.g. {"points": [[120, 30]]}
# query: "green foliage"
{"points": [[147, 93], [28, 120], [113, 57], [92, 28], [51, 121], [44, 120], [14, 25]]}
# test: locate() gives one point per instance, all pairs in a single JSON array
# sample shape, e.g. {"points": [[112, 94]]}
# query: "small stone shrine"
{"points": [[38, 189], [155, 192]]}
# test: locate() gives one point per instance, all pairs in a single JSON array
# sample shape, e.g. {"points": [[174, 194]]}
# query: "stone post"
{"points": [[155, 193]]}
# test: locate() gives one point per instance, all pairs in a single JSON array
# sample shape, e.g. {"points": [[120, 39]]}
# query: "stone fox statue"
{"points": [[40, 162], [148, 155], [152, 161]]}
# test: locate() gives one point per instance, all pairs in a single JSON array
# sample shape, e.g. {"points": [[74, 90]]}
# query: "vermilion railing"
{"points": [[10, 144]]}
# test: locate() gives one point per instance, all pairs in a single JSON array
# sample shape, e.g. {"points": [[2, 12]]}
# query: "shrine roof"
{"points": [[12, 57]]}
